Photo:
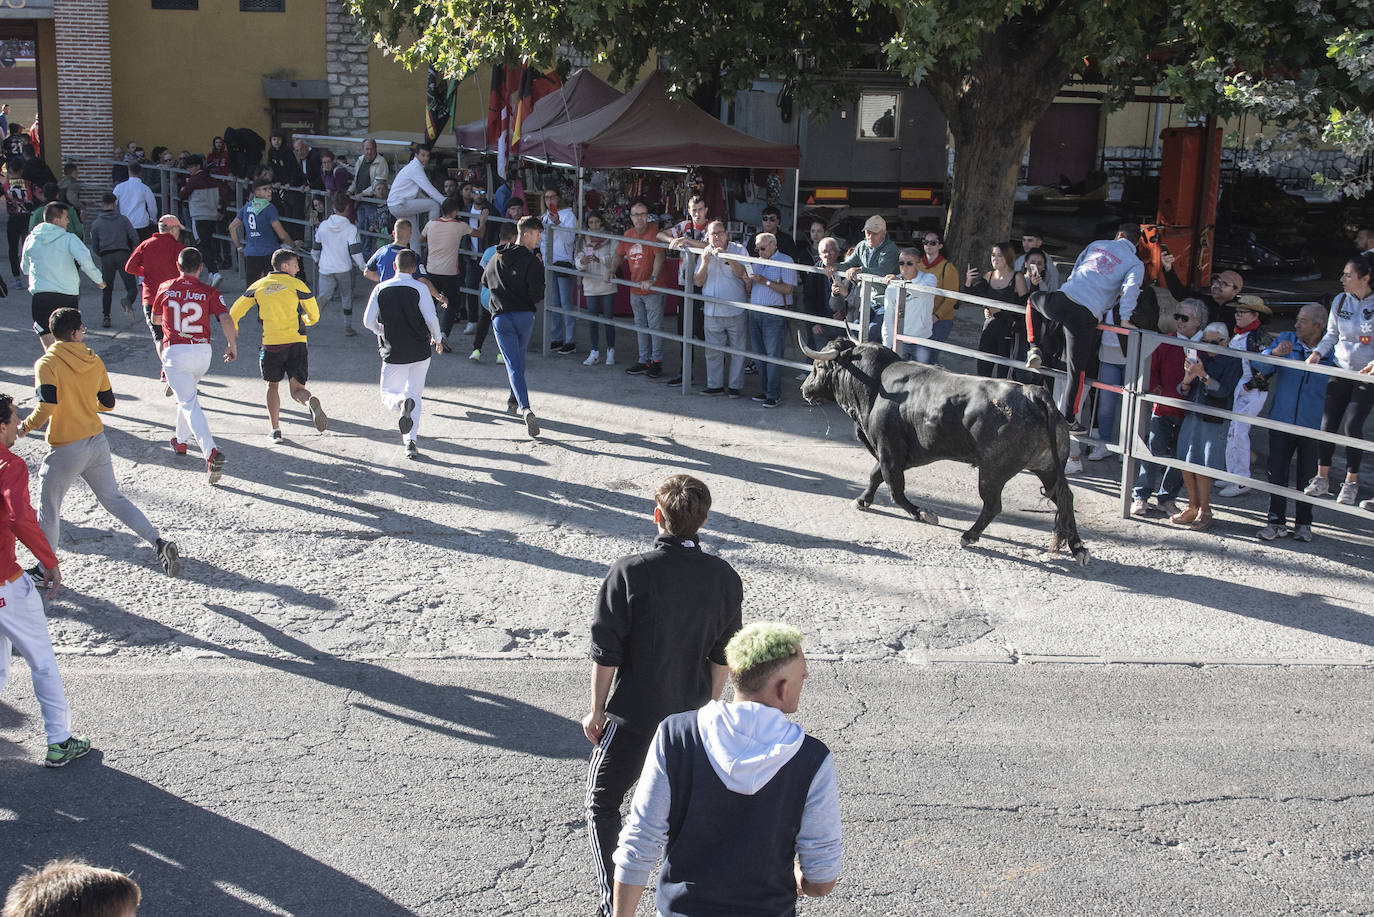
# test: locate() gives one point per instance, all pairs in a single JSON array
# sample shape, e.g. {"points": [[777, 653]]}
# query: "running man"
{"points": [[401, 313], [182, 311], [286, 307], [257, 217], [23, 626], [73, 391]]}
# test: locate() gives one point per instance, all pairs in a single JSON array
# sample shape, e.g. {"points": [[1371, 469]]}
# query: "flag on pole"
{"points": [[534, 85], [440, 94], [496, 104]]}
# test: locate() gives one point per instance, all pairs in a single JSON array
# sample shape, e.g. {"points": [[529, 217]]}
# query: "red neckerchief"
{"points": [[1250, 327], [938, 259]]}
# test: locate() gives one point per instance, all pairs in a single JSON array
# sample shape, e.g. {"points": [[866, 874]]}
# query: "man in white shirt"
{"points": [[725, 325], [561, 223], [136, 202], [412, 193]]}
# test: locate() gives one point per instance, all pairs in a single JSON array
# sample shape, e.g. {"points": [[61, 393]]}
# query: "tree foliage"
{"points": [[1304, 66]]}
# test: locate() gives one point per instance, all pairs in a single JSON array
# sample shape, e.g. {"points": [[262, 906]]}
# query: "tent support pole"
{"points": [[796, 200], [688, 314]]}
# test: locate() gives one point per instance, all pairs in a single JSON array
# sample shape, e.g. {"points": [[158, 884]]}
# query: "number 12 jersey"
{"points": [[185, 306]]}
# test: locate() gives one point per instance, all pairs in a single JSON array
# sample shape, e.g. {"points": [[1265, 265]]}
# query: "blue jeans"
{"points": [[1108, 403], [563, 294], [767, 334], [603, 305], [513, 331], [939, 331], [1162, 440]]}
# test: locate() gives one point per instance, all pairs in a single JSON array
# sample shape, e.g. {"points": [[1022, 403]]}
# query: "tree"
{"points": [[994, 66]]}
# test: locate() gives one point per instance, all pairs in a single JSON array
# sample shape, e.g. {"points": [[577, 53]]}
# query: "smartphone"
{"points": [[1192, 354]]}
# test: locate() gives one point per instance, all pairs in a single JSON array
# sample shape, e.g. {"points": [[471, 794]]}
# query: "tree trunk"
{"points": [[992, 106]]}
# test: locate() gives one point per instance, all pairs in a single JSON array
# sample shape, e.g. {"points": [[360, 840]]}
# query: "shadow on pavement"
{"points": [[187, 859]]}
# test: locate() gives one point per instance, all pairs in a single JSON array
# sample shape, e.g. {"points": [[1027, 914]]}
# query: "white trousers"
{"points": [[1238, 437], [401, 381], [185, 365], [23, 625]]}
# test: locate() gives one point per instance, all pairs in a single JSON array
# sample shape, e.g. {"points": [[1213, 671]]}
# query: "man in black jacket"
{"points": [[401, 313], [515, 278], [1219, 297], [663, 618]]}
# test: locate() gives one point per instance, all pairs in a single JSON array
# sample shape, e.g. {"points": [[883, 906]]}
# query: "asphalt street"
{"points": [[361, 696]]}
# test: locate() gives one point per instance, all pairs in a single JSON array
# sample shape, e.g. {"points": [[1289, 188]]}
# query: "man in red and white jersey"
{"points": [[183, 309], [22, 623]]}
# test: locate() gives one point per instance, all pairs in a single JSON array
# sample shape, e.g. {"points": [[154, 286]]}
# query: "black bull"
{"points": [[909, 414]]}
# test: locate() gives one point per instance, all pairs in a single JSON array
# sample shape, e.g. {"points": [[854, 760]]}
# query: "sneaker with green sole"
{"points": [[60, 754]]}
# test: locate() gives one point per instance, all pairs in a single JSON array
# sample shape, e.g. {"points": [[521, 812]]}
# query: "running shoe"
{"points": [[638, 369], [412, 450], [1317, 487], [1302, 533], [170, 557], [512, 406], [1097, 453], [60, 754], [317, 414], [1033, 358], [475, 355], [655, 369], [568, 347], [531, 423], [405, 423], [1273, 532], [276, 437], [350, 332], [214, 466], [1349, 491]]}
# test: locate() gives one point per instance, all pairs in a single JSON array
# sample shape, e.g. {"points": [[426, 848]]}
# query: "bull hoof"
{"points": [[1081, 555], [926, 516], [861, 503], [968, 540]]}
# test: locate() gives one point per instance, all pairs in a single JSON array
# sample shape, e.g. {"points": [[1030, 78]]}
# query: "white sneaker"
{"points": [[1367, 504], [1273, 532], [470, 328], [1097, 453], [1140, 507], [1317, 487], [1349, 490], [213, 279], [610, 357], [1232, 490], [1073, 466], [593, 358]]}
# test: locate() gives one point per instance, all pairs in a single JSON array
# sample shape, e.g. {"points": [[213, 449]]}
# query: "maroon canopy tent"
{"points": [[582, 94], [646, 129]]}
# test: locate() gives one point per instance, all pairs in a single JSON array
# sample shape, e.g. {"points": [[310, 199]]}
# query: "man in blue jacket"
{"points": [[1297, 397]]}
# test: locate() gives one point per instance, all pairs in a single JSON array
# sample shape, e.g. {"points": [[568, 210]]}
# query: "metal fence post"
{"points": [[1130, 408], [865, 306], [688, 315], [549, 281]]}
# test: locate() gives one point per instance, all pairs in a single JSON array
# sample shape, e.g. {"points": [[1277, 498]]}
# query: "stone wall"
{"points": [[346, 70]]}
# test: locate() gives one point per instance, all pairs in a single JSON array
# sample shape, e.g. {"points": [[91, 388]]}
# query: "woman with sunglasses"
{"points": [[1209, 379], [933, 261], [1350, 337]]}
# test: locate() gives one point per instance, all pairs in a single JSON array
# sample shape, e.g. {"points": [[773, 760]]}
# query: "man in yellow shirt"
{"points": [[73, 390], [286, 307]]}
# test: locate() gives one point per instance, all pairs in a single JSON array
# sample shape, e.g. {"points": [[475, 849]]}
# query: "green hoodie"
{"points": [[50, 258]]}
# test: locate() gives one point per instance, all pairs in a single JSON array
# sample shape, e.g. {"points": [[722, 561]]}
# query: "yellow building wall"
{"points": [[181, 76], [397, 95], [47, 98]]}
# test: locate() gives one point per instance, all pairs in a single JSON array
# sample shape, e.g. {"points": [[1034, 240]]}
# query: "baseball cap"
{"points": [[1234, 279], [170, 221], [875, 223]]}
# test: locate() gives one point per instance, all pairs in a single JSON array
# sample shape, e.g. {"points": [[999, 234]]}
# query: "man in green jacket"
{"points": [[50, 260]]}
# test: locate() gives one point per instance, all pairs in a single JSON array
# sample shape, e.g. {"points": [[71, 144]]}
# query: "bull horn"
{"points": [[847, 333], [820, 356]]}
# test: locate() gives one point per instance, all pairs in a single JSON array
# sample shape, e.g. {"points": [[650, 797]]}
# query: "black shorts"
{"points": [[45, 304], [154, 327], [292, 360]]}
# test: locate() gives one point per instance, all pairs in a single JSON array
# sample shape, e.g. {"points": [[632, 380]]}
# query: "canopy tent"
{"points": [[582, 94], [646, 129]]}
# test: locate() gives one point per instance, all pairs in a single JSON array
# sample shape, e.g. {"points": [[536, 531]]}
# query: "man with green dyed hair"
{"points": [[744, 801]]}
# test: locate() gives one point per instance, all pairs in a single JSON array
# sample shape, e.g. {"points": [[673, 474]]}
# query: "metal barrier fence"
{"points": [[1136, 403], [1136, 400]]}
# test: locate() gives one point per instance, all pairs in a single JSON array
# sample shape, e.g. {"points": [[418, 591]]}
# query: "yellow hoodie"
{"points": [[285, 307], [73, 388]]}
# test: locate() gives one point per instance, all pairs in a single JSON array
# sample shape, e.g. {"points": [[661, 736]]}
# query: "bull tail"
{"points": [[1065, 526]]}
